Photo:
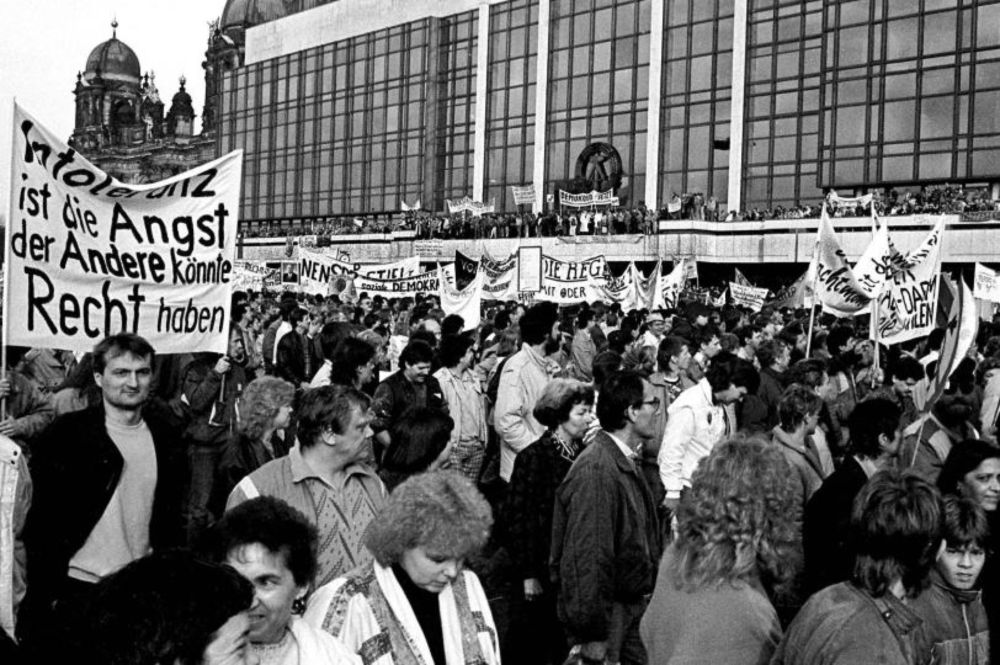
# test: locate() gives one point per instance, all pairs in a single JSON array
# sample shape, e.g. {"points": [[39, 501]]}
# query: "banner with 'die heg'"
{"points": [[89, 256]]}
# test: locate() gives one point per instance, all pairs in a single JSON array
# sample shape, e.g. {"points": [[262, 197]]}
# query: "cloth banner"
{"points": [[523, 195], [748, 296], [799, 293], [674, 204], [621, 288], [740, 278], [466, 269], [569, 282], [464, 302], [672, 284], [908, 302], [88, 256], [649, 295], [986, 285], [409, 267], [838, 288], [498, 277], [409, 208], [721, 300], [475, 207], [317, 271], [959, 335], [401, 287], [593, 198], [249, 275]]}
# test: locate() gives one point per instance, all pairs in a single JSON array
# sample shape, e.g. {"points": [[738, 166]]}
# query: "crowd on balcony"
{"points": [[971, 204]]}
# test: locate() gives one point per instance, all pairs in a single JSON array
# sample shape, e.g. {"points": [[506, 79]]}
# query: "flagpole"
{"points": [[4, 329]]}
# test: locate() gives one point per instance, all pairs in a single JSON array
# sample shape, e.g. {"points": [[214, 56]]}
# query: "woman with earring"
{"points": [[274, 547]]}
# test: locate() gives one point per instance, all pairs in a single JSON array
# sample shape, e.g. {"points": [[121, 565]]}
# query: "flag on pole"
{"points": [[960, 333], [740, 278]]}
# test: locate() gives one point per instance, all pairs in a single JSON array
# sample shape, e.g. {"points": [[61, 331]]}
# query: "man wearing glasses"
{"points": [[605, 532]]}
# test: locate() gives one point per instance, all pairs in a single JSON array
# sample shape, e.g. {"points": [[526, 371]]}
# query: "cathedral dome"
{"points": [[248, 13], [114, 60]]}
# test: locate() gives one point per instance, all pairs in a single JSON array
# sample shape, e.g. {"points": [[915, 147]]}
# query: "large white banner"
{"points": [[402, 287], [751, 297], [499, 281], [908, 303], [317, 271], [409, 267], [566, 282], [88, 256], [593, 198]]}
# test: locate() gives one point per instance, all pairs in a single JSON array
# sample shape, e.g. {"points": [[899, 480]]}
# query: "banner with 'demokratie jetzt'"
{"points": [[89, 256]]}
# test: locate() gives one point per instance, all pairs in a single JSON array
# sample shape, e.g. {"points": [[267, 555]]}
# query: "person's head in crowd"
{"points": [[708, 341], [811, 372], [240, 314], [239, 298], [300, 319], [972, 470], [766, 323], [673, 355], [453, 324], [731, 378], [371, 320], [287, 306], [641, 359], [265, 407], [896, 533], [353, 363], [840, 340], [966, 534], [774, 355], [508, 343], [430, 525], [123, 370], [627, 405], [605, 364], [729, 343], [457, 351], [336, 422], [330, 337], [935, 339], [167, 608], [365, 303], [600, 311], [502, 320], [618, 341], [430, 325], [656, 324], [798, 410], [425, 336], [583, 319], [517, 310], [273, 546], [81, 380], [540, 327], [795, 336], [903, 374], [749, 337], [420, 442], [565, 407], [698, 314], [875, 431], [378, 341], [415, 361], [988, 370], [738, 521]]}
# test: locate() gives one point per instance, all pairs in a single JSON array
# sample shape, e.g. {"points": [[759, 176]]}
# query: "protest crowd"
{"points": [[367, 480]]}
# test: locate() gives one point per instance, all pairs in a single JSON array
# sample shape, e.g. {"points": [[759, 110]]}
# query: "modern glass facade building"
{"points": [[352, 107]]}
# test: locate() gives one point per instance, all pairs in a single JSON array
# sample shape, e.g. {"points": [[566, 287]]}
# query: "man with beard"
{"points": [[522, 381], [106, 489], [928, 440], [412, 387]]}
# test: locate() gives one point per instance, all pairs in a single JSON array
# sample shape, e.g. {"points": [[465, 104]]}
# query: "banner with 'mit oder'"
{"points": [[88, 256]]}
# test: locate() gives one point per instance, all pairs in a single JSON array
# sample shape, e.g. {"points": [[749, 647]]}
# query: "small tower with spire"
{"points": [[180, 118]]}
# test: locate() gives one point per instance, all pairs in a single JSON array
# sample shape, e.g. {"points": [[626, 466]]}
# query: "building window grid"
{"points": [[509, 130], [913, 156], [684, 126], [458, 80], [571, 117]]}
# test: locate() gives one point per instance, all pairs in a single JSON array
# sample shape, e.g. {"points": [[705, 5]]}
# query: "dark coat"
{"points": [[828, 556], [203, 391], [396, 395], [75, 468], [526, 517], [291, 365], [605, 539]]}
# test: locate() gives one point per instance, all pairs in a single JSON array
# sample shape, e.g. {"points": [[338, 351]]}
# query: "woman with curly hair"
{"points": [[415, 604], [735, 538], [264, 408]]}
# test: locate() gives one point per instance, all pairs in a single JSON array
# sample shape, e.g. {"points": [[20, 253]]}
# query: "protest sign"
{"points": [[466, 269], [88, 256], [907, 304], [748, 296], [463, 302], [986, 286], [673, 283], [250, 275], [523, 195], [529, 269], [621, 289], [567, 282], [498, 277], [593, 198], [317, 270], [401, 287], [837, 288]]}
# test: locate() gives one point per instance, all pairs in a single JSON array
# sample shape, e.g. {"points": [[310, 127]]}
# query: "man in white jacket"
{"points": [[700, 417]]}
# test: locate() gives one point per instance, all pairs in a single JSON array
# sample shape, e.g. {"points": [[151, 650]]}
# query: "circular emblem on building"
{"points": [[600, 166]]}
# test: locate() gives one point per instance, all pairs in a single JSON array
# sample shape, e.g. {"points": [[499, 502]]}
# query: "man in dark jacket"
{"points": [[107, 484], [875, 442], [412, 387], [605, 535]]}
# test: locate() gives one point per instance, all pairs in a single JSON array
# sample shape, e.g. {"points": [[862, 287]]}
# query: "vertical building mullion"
{"points": [[482, 74], [541, 103], [655, 105], [736, 109]]}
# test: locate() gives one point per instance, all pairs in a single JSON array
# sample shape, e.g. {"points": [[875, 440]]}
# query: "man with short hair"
{"points": [[798, 415], [605, 532], [522, 380], [325, 477], [656, 328], [774, 356], [699, 418], [875, 442], [107, 486], [412, 387], [896, 528]]}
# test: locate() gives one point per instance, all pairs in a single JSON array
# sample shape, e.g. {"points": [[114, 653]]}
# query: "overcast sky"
{"points": [[44, 43]]}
